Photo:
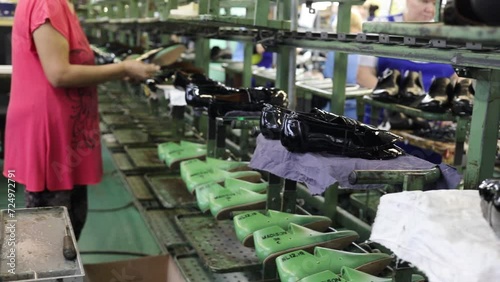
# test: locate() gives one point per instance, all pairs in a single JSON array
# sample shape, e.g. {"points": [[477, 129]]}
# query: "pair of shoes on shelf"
{"points": [[245, 224], [208, 196], [300, 264], [320, 131], [392, 87], [443, 96], [274, 241], [348, 274]]}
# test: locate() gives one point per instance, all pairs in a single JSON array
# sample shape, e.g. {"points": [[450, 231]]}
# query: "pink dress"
{"points": [[52, 134]]}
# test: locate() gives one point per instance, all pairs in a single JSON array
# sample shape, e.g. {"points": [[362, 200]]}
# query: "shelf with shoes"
{"points": [[361, 45]]}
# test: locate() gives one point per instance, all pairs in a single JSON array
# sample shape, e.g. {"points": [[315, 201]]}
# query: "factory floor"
{"points": [[114, 230]]}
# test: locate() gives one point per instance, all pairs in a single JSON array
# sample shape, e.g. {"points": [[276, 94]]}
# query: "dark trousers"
{"points": [[75, 201]]}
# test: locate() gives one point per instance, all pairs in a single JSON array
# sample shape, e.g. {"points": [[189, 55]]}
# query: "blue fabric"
{"points": [[267, 60], [352, 72], [320, 170]]}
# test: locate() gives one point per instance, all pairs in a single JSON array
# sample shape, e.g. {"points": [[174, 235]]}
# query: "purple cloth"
{"points": [[320, 170]]}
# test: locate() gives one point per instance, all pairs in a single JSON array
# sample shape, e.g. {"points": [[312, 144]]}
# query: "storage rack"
{"points": [[471, 49]]}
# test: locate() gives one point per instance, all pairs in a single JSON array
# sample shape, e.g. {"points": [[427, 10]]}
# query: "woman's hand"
{"points": [[137, 70]]}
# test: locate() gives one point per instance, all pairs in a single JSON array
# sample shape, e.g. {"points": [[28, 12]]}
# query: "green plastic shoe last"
{"points": [[230, 199], [353, 275], [173, 158], [246, 224], [203, 193], [219, 176], [274, 241], [195, 166], [260, 187], [299, 264], [192, 167], [163, 148], [323, 276], [227, 165]]}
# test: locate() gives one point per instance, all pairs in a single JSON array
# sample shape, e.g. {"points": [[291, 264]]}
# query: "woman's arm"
{"points": [[53, 51], [367, 76]]}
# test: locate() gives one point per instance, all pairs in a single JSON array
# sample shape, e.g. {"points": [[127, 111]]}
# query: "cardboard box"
{"points": [[148, 269]]}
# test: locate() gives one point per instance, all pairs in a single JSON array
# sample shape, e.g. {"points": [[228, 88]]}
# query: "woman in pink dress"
{"points": [[52, 143]]}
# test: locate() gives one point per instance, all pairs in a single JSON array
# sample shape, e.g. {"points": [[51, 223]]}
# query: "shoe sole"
{"points": [[386, 98], [226, 213], [169, 55], [337, 244], [462, 110], [317, 226]]}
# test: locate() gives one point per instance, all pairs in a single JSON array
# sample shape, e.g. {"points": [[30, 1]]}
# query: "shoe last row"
{"points": [[348, 274], [300, 264], [245, 224], [274, 241]]}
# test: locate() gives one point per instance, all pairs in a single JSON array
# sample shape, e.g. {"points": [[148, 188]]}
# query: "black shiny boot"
{"points": [[387, 89], [321, 131], [439, 98], [463, 103], [412, 89]]}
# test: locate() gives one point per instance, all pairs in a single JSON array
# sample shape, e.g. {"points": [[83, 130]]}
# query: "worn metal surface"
{"points": [[170, 190], [217, 245], [367, 202], [116, 119], [453, 56], [478, 34], [145, 158], [484, 129], [139, 188], [39, 237], [392, 176], [164, 228], [111, 108], [122, 161], [194, 271], [130, 136]]}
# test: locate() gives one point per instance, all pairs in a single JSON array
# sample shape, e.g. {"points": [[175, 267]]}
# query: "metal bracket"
{"points": [[438, 43], [410, 40]]}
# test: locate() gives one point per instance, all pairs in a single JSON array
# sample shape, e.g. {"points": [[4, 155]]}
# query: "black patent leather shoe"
{"points": [[271, 121], [400, 121], [204, 95], [439, 98], [463, 102], [412, 89], [321, 131], [387, 89], [273, 96]]}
